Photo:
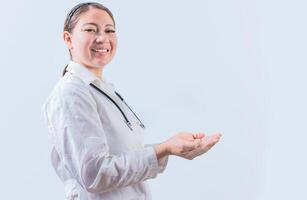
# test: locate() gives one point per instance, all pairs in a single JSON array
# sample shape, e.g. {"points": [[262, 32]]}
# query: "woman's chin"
{"points": [[99, 63]]}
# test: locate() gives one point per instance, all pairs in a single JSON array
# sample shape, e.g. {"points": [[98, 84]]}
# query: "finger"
{"points": [[210, 142], [215, 136], [219, 135], [198, 135]]}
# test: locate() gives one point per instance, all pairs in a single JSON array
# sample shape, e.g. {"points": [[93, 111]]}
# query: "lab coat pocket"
{"points": [[72, 190]]}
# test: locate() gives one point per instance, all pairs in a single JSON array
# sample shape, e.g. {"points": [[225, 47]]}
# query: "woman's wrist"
{"points": [[161, 150]]}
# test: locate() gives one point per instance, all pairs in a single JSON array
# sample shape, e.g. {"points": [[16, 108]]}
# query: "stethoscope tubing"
{"points": [[117, 106]]}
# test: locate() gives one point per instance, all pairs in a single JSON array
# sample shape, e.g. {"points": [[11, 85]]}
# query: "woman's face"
{"points": [[93, 40]]}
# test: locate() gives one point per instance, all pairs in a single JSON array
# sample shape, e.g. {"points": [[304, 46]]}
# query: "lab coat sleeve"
{"points": [[80, 140], [162, 162]]}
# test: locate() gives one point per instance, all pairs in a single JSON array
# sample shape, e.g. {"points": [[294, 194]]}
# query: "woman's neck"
{"points": [[97, 72]]}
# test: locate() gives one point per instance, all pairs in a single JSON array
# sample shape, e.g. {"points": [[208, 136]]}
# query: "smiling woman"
{"points": [[91, 39], [98, 150]]}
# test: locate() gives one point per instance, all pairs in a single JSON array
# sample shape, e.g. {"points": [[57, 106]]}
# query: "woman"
{"points": [[97, 146]]}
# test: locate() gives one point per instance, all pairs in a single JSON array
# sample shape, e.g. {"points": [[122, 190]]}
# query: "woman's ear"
{"points": [[67, 39]]}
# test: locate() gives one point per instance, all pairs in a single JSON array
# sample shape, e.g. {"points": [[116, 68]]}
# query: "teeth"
{"points": [[101, 50]]}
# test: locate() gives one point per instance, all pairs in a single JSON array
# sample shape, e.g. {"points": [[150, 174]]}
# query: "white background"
{"points": [[230, 66]]}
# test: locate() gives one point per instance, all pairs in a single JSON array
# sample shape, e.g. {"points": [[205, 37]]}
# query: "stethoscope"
{"points": [[122, 99]]}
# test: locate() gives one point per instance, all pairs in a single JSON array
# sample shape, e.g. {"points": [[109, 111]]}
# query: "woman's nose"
{"points": [[101, 37]]}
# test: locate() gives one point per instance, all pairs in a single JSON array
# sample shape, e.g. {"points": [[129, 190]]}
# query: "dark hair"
{"points": [[75, 13]]}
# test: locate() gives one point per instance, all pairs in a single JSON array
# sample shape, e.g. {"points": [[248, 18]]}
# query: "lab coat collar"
{"points": [[83, 73]]}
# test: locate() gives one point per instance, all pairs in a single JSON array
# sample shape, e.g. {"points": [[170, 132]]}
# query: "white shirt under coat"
{"points": [[94, 153]]}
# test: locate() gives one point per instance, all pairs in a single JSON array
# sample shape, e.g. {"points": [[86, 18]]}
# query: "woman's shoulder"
{"points": [[68, 88]]}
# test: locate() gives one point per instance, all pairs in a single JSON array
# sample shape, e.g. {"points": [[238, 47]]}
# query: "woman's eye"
{"points": [[110, 31], [90, 30]]}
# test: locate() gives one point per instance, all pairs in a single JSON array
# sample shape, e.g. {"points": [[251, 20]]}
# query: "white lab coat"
{"points": [[94, 153]]}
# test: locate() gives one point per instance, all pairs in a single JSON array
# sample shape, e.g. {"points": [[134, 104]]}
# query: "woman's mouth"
{"points": [[100, 50]]}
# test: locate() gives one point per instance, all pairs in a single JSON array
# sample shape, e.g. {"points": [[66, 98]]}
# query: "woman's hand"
{"points": [[186, 145], [207, 143]]}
